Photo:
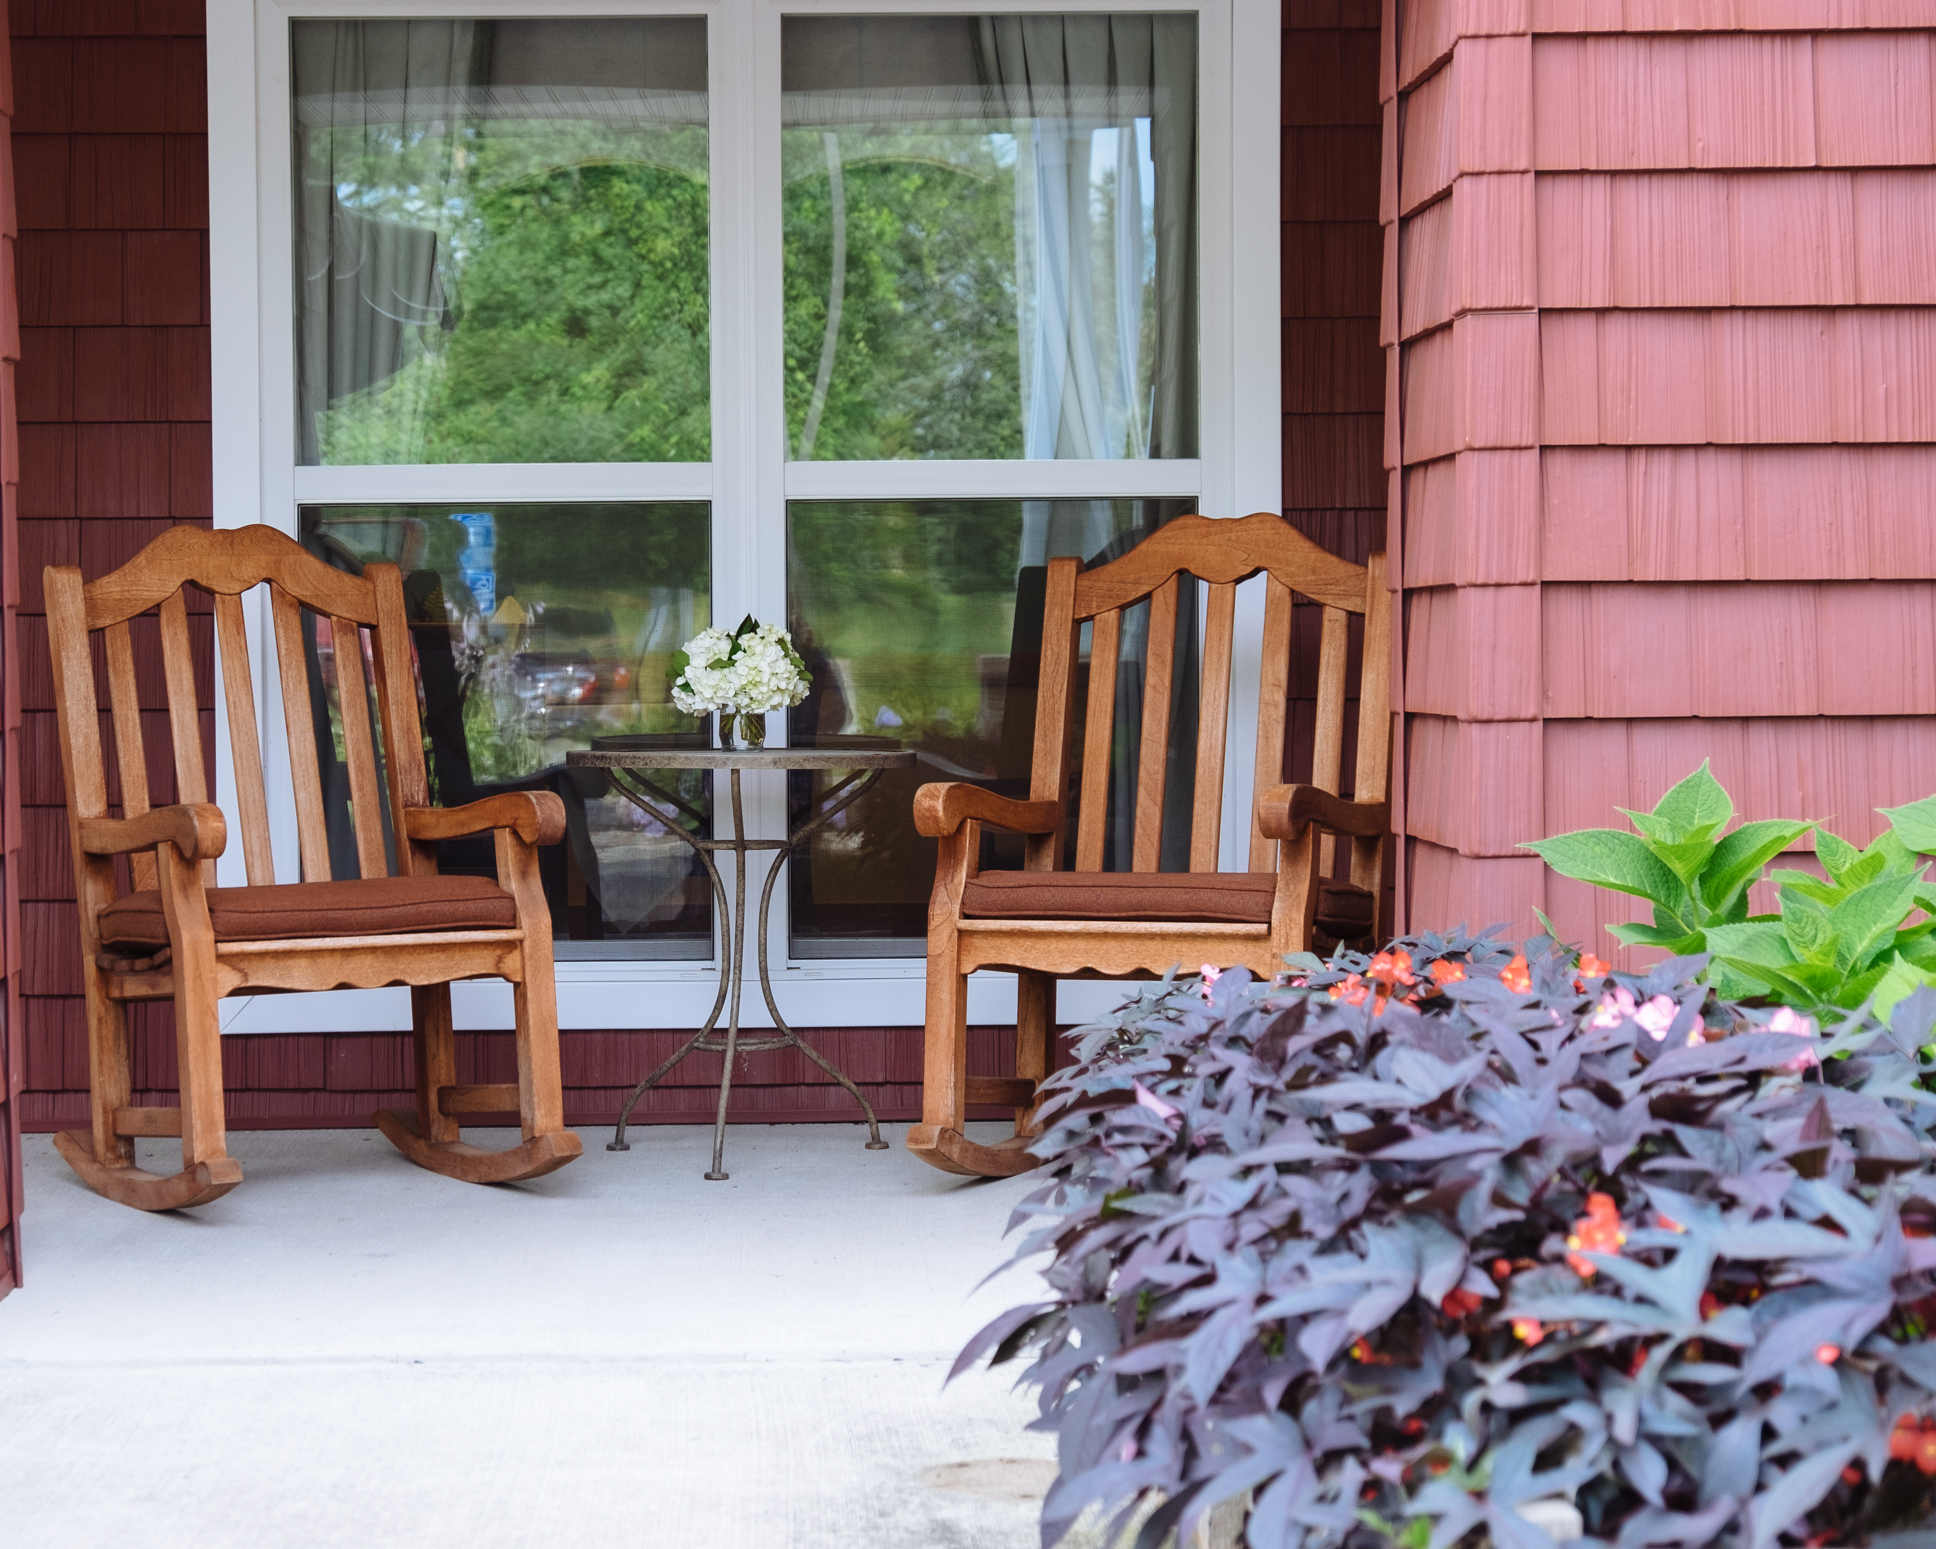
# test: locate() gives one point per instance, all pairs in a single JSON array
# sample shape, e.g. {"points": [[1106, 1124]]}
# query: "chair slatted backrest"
{"points": [[1223, 554], [228, 564]]}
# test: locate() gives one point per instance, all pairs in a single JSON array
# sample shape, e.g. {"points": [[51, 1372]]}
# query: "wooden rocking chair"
{"points": [[1046, 923], [178, 936]]}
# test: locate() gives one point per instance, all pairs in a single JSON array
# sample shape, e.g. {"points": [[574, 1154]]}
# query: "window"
{"points": [[604, 321]]}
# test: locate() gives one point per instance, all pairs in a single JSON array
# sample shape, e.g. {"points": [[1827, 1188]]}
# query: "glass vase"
{"points": [[741, 731]]}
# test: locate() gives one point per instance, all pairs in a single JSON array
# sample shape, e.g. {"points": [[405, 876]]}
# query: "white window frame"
{"points": [[749, 480]]}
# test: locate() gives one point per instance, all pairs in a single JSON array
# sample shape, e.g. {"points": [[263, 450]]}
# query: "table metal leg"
{"points": [[618, 1141], [735, 963], [874, 1142], [733, 956]]}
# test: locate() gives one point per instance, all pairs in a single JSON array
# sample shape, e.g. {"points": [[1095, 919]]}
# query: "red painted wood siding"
{"points": [[110, 170], [1334, 372], [11, 1066], [111, 164], [1662, 329], [1334, 369], [110, 159]]}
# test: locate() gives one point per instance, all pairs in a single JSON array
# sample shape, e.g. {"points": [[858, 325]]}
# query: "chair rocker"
{"points": [[1046, 923], [179, 937]]}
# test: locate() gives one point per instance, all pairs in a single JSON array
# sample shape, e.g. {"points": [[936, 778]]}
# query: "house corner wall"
{"points": [[12, 1074], [1661, 329]]}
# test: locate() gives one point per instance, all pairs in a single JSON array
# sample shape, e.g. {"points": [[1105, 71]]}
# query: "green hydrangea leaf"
{"points": [[1914, 825], [1680, 943], [1836, 855], [1698, 806], [1606, 857], [1740, 857]]}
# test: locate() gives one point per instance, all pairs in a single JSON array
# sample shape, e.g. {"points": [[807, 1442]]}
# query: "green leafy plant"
{"points": [[1679, 860], [1837, 941], [1845, 939]]}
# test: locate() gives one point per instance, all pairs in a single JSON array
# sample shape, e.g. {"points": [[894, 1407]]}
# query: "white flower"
{"points": [[752, 672]]}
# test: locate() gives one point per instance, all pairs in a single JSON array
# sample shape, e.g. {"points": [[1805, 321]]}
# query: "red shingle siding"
{"points": [[1334, 372], [12, 1023], [1668, 391], [111, 165]]}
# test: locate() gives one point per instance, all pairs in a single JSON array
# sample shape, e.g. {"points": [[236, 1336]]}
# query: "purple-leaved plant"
{"points": [[1452, 1246]]}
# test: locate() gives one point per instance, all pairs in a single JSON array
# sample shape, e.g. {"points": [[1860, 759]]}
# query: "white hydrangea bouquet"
{"points": [[741, 674]]}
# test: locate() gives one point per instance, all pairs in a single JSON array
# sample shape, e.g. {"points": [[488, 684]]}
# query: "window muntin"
{"points": [[500, 240], [922, 621], [1012, 201], [537, 629]]}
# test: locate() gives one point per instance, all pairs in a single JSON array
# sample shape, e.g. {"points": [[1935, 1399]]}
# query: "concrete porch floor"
{"points": [[350, 1351]]}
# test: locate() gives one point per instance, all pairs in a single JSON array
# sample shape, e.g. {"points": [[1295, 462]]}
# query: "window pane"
{"points": [[990, 236], [537, 629], [922, 621], [501, 241]]}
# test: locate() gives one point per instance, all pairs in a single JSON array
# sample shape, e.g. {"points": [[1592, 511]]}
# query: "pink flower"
{"points": [[1145, 1098], [1210, 973], [1616, 1005], [1785, 1020], [1657, 1016]]}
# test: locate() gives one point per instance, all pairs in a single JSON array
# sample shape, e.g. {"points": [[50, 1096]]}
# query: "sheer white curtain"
{"points": [[372, 94]]}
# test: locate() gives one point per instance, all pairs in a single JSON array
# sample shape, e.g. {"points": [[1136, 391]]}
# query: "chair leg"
{"points": [[944, 1058], [434, 1043], [104, 1160], [1034, 1024], [429, 1136], [111, 1077], [938, 1139]]}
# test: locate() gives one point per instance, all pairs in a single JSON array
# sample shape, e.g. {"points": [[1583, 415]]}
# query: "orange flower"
{"points": [[1598, 1231], [1501, 1268], [1460, 1304], [1516, 976], [1391, 968], [1592, 966], [1710, 1304], [1445, 971], [1906, 1441], [1926, 1452], [1361, 1351], [1828, 1355], [1670, 1224], [1529, 1330], [1352, 992]]}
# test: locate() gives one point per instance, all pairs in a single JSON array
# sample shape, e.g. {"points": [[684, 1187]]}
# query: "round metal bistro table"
{"points": [[626, 762]]}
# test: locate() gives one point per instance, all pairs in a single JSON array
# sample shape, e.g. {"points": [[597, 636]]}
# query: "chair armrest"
{"points": [[197, 829], [941, 809], [1285, 811], [536, 817]]}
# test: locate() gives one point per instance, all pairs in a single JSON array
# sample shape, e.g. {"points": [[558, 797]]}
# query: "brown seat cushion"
{"points": [[1223, 898], [375, 906], [1216, 897]]}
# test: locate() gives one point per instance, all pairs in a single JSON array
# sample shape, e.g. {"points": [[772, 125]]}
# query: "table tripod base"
{"points": [[732, 960]]}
